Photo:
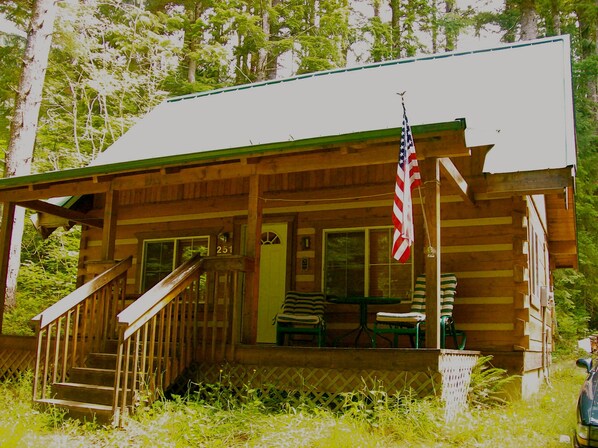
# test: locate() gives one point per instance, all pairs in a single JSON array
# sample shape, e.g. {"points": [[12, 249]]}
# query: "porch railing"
{"points": [[79, 324], [158, 333]]}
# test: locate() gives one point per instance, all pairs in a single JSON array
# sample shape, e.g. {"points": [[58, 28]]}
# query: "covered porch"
{"points": [[211, 321], [187, 328]]}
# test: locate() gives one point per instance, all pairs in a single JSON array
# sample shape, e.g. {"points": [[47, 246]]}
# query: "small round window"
{"points": [[270, 238]]}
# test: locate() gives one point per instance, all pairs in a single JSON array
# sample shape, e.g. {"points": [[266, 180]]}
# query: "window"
{"points": [[359, 263], [161, 257], [538, 259]]}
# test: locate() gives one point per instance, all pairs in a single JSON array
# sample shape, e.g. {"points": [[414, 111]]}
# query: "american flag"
{"points": [[407, 179]]}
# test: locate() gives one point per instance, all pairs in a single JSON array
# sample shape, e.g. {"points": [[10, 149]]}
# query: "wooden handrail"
{"points": [[59, 308], [154, 300], [79, 324], [158, 333]]}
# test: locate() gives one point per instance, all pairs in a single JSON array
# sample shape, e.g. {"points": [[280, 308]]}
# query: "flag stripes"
{"points": [[407, 179]]}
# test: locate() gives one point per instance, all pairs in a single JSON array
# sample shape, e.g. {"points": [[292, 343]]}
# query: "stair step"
{"points": [[101, 360], [86, 392], [93, 375], [111, 346], [81, 410]]}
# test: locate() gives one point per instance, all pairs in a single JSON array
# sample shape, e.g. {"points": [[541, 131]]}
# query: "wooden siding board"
{"points": [[479, 314]]}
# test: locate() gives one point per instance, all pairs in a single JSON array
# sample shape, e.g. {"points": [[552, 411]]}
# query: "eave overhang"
{"points": [[95, 174], [441, 140]]}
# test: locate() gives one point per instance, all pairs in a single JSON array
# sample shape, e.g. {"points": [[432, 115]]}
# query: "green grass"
{"points": [[369, 419]]}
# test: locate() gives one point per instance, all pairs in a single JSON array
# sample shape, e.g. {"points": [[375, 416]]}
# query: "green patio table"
{"points": [[363, 302]]}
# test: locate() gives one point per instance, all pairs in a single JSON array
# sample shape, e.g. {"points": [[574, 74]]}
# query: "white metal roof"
{"points": [[517, 97]]}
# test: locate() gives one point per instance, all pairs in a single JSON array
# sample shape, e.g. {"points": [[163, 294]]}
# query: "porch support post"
{"points": [[253, 248], [8, 217], [431, 178], [109, 229]]}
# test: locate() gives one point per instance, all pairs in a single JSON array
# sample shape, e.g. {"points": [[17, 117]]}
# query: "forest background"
{"points": [[112, 61]]}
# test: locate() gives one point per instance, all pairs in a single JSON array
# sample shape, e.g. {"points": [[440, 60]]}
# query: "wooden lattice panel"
{"points": [[324, 386], [456, 375], [13, 363]]}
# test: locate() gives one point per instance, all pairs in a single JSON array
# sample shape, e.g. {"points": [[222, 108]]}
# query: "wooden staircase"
{"points": [[89, 392], [98, 356]]}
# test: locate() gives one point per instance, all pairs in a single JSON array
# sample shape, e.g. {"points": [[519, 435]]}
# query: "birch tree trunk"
{"points": [[529, 20], [23, 128]]}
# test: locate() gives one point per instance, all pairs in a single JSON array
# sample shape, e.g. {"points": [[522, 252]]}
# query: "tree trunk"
{"points": [[191, 68], [395, 21], [451, 36], [23, 128], [588, 30], [264, 53], [529, 20]]}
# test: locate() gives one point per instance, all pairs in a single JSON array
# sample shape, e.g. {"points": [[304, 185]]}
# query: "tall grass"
{"points": [[212, 417]]}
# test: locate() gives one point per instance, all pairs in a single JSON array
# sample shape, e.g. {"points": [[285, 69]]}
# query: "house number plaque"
{"points": [[224, 249], [225, 244]]}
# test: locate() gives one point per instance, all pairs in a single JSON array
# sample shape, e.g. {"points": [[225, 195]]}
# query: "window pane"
{"points": [[380, 243], [158, 261], [345, 263], [388, 278], [190, 246], [162, 256]]}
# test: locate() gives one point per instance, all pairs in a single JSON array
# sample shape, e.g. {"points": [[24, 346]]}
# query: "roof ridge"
{"points": [[372, 65]]}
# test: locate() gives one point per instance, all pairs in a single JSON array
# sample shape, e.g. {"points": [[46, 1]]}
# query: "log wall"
{"points": [[486, 245]]}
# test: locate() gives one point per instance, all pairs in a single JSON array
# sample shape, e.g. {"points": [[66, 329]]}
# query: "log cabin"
{"points": [[198, 221]]}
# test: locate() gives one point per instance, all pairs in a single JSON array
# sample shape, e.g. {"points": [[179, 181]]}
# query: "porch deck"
{"points": [[322, 374]]}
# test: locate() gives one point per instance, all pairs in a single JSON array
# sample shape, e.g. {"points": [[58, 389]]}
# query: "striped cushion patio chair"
{"points": [[302, 313], [413, 323]]}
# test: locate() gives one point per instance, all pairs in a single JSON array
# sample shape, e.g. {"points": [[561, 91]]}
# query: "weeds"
{"points": [[488, 384], [211, 416]]}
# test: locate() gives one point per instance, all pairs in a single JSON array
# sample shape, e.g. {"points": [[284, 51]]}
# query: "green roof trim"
{"points": [[160, 162]]}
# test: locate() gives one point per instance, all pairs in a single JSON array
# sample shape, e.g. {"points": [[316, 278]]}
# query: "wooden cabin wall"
{"points": [[166, 212], [486, 245], [541, 306]]}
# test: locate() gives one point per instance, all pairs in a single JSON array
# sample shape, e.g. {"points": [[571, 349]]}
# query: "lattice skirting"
{"points": [[329, 387], [456, 376], [16, 356]]}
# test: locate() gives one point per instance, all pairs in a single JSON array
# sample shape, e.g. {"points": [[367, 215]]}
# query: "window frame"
{"points": [[367, 256], [175, 262]]}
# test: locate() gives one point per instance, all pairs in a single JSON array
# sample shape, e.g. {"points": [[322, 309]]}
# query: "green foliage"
{"points": [[488, 384], [381, 35], [17, 418], [572, 314], [17, 11], [10, 60], [48, 273], [108, 66], [191, 421], [576, 293], [323, 38]]}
